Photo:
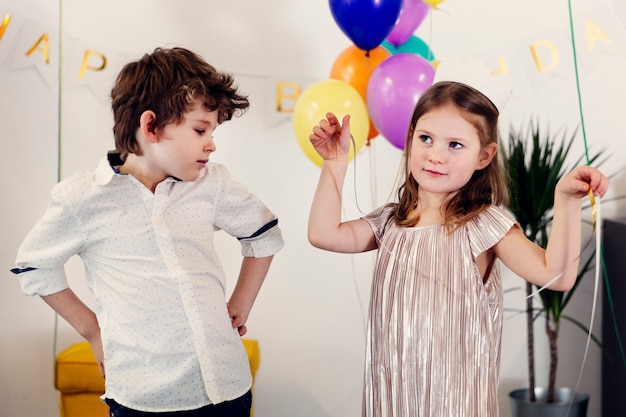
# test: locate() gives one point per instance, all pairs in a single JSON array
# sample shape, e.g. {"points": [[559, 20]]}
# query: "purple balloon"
{"points": [[393, 90], [411, 16]]}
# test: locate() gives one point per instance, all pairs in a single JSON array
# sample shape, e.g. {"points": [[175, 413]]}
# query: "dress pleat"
{"points": [[435, 325]]}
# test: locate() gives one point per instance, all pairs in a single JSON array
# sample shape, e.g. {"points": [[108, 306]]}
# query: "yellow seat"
{"points": [[77, 378]]}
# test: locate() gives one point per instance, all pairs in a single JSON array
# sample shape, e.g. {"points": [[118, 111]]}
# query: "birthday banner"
{"points": [[27, 44]]}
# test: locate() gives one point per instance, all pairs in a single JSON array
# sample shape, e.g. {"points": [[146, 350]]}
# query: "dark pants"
{"points": [[239, 407]]}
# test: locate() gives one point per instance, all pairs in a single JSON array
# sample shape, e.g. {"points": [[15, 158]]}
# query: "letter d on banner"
{"points": [[554, 54]]}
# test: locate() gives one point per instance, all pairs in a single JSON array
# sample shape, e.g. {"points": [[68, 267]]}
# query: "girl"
{"points": [[435, 314]]}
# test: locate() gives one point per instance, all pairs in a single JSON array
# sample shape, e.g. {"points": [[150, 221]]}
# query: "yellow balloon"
{"points": [[433, 3], [326, 96]]}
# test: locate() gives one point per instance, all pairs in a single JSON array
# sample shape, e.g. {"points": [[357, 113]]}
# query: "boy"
{"points": [[143, 224]]}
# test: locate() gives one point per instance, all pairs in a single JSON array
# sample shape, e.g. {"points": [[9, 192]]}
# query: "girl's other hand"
{"points": [[576, 183]]}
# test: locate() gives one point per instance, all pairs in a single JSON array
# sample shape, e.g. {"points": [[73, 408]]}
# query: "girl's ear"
{"points": [[486, 155], [146, 122]]}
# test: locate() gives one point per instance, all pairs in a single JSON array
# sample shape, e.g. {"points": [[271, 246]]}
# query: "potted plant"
{"points": [[535, 162]]}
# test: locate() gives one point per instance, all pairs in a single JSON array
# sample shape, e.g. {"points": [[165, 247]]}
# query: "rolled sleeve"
{"points": [[43, 281], [243, 215], [266, 244], [40, 260]]}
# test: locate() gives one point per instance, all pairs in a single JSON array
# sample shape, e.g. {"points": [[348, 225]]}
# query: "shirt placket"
{"points": [[185, 286]]}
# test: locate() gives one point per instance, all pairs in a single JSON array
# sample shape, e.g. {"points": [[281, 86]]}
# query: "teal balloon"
{"points": [[414, 45]]}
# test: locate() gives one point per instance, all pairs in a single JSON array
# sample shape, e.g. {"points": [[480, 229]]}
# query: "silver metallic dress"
{"points": [[435, 325]]}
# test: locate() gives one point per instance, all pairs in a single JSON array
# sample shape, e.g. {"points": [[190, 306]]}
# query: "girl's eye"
{"points": [[426, 139], [455, 145], [200, 131]]}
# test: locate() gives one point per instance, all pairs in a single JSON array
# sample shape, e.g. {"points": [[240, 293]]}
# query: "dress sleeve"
{"points": [[488, 228], [244, 216], [380, 218], [53, 240]]}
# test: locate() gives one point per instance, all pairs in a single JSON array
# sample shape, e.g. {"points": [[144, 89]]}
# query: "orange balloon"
{"points": [[355, 66]]}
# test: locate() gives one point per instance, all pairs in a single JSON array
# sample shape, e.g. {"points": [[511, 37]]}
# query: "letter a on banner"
{"points": [[43, 46], [37, 46], [5, 23]]}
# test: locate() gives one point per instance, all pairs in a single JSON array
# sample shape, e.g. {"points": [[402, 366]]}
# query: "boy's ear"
{"points": [[486, 155], [146, 125]]}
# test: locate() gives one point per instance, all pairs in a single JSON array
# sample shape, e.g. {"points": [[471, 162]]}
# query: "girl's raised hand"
{"points": [[576, 183], [330, 138]]}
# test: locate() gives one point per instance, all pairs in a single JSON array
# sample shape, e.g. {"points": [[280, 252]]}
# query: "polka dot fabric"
{"points": [[157, 281]]}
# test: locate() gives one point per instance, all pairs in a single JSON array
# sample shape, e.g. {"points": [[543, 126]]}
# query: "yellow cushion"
{"points": [[81, 385], [85, 404], [252, 347], [77, 372]]}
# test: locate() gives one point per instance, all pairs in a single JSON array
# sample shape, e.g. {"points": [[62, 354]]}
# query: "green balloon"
{"points": [[413, 45]]}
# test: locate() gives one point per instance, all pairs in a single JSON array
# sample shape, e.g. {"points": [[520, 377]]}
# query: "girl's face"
{"points": [[446, 150]]}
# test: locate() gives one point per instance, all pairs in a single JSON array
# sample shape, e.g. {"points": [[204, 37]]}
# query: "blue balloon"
{"points": [[366, 22]]}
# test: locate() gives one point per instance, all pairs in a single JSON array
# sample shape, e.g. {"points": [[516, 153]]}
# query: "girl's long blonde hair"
{"points": [[487, 186]]}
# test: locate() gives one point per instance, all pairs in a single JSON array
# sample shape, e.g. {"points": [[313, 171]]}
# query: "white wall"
{"points": [[309, 317]]}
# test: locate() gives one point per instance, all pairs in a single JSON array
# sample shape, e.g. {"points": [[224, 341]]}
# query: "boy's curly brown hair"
{"points": [[168, 82]]}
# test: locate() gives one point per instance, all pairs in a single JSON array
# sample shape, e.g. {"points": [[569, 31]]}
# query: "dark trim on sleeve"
{"points": [[262, 230], [20, 270]]}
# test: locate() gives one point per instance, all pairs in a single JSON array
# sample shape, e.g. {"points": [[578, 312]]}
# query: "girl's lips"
{"points": [[431, 172]]}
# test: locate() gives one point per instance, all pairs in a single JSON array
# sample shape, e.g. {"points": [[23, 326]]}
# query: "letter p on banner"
{"points": [[87, 62]]}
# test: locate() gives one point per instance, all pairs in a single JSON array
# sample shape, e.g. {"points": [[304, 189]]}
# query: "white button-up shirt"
{"points": [[158, 285]]}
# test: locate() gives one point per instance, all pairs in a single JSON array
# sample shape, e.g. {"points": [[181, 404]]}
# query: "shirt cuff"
{"points": [[267, 244], [43, 281]]}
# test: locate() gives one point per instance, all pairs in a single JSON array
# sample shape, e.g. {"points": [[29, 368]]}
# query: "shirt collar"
{"points": [[107, 168]]}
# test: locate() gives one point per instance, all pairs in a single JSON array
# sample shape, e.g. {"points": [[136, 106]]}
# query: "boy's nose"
{"points": [[210, 145]]}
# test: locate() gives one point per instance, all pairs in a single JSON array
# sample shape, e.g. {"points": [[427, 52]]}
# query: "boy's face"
{"points": [[183, 149]]}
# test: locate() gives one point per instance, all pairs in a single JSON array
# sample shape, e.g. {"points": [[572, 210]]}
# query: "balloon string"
{"points": [[55, 337], [373, 176], [596, 210], [579, 95], [356, 197], [599, 253], [556, 278], [612, 308], [431, 55]]}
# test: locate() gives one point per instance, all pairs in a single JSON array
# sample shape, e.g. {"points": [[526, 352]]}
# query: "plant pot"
{"points": [[563, 406]]}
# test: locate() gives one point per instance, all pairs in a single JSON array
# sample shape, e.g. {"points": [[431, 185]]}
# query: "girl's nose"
{"points": [[436, 155]]}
